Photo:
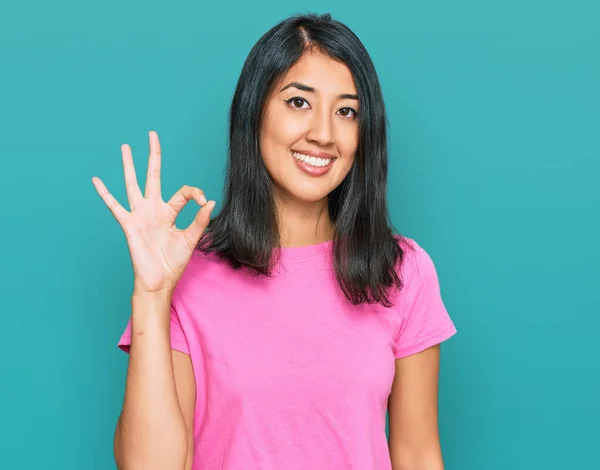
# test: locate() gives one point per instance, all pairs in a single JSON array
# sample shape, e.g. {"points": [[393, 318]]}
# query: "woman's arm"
{"points": [[413, 413], [152, 429], [186, 393]]}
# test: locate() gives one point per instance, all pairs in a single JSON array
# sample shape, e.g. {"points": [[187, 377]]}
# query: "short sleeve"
{"points": [[178, 339], [424, 319]]}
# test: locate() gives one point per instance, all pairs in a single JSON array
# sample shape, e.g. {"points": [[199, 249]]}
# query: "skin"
{"points": [[150, 436], [414, 441], [321, 121]]}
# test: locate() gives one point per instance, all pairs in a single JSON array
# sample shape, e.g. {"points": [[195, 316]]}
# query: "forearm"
{"points": [[421, 455], [423, 462], [423, 466], [151, 432]]}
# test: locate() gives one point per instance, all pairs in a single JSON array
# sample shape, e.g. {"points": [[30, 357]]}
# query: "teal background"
{"points": [[495, 163]]}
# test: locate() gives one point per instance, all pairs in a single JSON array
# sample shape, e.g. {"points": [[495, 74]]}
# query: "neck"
{"points": [[302, 223]]}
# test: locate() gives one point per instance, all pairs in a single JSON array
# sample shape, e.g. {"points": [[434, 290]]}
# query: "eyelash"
{"points": [[294, 98]]}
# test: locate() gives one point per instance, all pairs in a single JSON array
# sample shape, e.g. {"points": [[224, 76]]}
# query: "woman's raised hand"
{"points": [[159, 250]]}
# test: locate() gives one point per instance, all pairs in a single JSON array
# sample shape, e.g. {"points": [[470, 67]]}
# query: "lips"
{"points": [[319, 168], [313, 153]]}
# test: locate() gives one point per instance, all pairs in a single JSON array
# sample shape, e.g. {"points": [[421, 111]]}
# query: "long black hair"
{"points": [[366, 252]]}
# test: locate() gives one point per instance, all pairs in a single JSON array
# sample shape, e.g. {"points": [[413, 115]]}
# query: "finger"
{"points": [[185, 194], [134, 194], [117, 210], [199, 224], [154, 163]]}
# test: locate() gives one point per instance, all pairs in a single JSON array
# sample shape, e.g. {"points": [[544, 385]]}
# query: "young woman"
{"points": [[278, 334]]}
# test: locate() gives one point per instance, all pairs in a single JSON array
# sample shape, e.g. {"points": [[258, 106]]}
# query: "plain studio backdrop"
{"points": [[494, 169]]}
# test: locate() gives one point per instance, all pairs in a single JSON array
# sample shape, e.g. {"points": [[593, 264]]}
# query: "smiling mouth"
{"points": [[312, 161]]}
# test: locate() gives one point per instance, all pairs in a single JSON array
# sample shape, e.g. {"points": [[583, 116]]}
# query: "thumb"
{"points": [[200, 222]]}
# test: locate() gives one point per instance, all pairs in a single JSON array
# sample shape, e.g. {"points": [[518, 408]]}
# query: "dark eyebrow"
{"points": [[300, 86]]}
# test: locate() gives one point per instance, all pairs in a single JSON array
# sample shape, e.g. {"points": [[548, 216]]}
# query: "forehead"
{"points": [[318, 70]]}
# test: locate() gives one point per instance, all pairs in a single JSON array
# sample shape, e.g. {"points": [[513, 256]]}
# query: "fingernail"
{"points": [[202, 200]]}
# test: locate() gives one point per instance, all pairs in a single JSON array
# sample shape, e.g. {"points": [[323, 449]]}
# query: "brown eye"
{"points": [[345, 112], [296, 102]]}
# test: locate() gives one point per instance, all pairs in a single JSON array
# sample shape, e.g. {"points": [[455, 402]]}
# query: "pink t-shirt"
{"points": [[290, 375]]}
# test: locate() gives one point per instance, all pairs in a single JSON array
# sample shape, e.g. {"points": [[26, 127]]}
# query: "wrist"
{"points": [[152, 297]]}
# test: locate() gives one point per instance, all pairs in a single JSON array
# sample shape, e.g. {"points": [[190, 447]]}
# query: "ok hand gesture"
{"points": [[159, 251]]}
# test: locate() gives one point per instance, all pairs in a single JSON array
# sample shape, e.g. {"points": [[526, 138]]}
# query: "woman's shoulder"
{"points": [[416, 261]]}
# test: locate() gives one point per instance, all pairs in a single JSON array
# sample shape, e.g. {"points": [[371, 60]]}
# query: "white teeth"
{"points": [[313, 161]]}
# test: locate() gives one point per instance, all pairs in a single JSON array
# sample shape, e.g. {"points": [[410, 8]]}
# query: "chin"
{"points": [[306, 194]]}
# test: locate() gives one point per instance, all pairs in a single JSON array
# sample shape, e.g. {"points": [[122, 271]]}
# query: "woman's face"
{"points": [[309, 132]]}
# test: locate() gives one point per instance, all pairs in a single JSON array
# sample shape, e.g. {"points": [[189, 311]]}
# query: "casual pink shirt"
{"points": [[290, 375]]}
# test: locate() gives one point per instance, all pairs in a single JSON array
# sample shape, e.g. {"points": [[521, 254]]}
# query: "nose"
{"points": [[321, 129]]}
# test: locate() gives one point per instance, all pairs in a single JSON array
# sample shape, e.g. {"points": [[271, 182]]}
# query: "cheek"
{"points": [[348, 167], [347, 145], [278, 133]]}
